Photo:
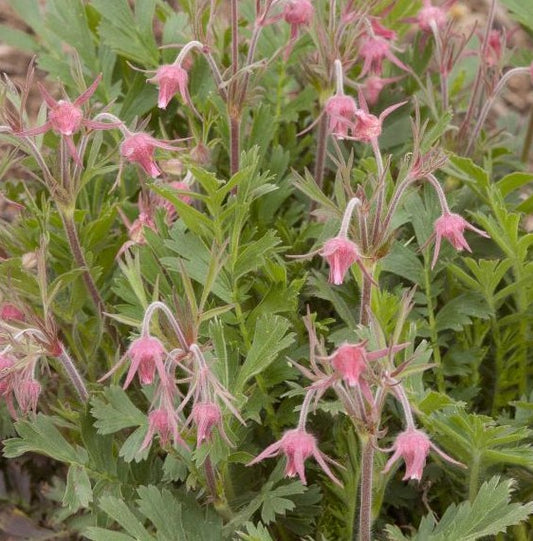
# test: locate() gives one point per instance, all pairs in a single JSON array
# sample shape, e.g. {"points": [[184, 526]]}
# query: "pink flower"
{"points": [[297, 445], [171, 78], [350, 361], [66, 118], [451, 226], [373, 86], [9, 312], [139, 148], [298, 13], [146, 355], [341, 110], [413, 446], [27, 393], [163, 422], [380, 30], [430, 16], [494, 49], [6, 376], [368, 127], [207, 415], [341, 254], [373, 51]]}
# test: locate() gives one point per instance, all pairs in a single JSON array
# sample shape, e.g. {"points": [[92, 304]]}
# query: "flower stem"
{"points": [[365, 504], [74, 375], [528, 139], [321, 148], [72, 235], [234, 128]]}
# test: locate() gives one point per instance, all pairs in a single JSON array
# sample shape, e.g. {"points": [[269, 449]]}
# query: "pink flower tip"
{"points": [[297, 445], [430, 16], [341, 254], [146, 355], [9, 312], [413, 446], [298, 12], [341, 111], [206, 416], [139, 148], [171, 79], [451, 226]]}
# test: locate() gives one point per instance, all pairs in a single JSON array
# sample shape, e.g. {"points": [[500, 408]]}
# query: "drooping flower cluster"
{"points": [[153, 364]]}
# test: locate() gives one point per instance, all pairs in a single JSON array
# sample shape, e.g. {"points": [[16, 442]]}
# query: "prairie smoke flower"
{"points": [[6, 377], [298, 13], [171, 79], [413, 446], [146, 355], [451, 226], [66, 118], [27, 392], [341, 111], [373, 86], [341, 253], [368, 127], [9, 312], [297, 445], [431, 16], [494, 49], [382, 31], [139, 148], [163, 422], [374, 51], [207, 415]]}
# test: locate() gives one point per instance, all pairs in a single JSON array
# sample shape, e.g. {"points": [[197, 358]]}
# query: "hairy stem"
{"points": [[74, 375], [321, 147], [234, 128], [365, 504], [77, 252], [432, 328]]}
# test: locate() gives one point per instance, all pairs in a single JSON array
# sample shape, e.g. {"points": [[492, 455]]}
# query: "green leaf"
{"points": [[18, 39], [522, 12], [101, 534], [78, 493], [270, 338], [469, 172], [254, 254], [118, 413], [276, 503], [459, 312], [121, 513], [253, 532], [402, 261], [509, 183], [40, 435], [489, 514], [68, 20]]}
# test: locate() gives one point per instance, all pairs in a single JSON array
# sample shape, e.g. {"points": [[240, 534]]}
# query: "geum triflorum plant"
{"points": [[162, 255]]}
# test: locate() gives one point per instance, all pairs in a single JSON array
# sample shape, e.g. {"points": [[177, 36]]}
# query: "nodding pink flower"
{"points": [[139, 148], [373, 86], [6, 376], [350, 361], [368, 127], [163, 422], [451, 226], [27, 394], [298, 13], [171, 79], [373, 51], [413, 446], [341, 110], [430, 16], [380, 30], [341, 254], [207, 415], [66, 118], [494, 50], [297, 445], [146, 355], [9, 312]]}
